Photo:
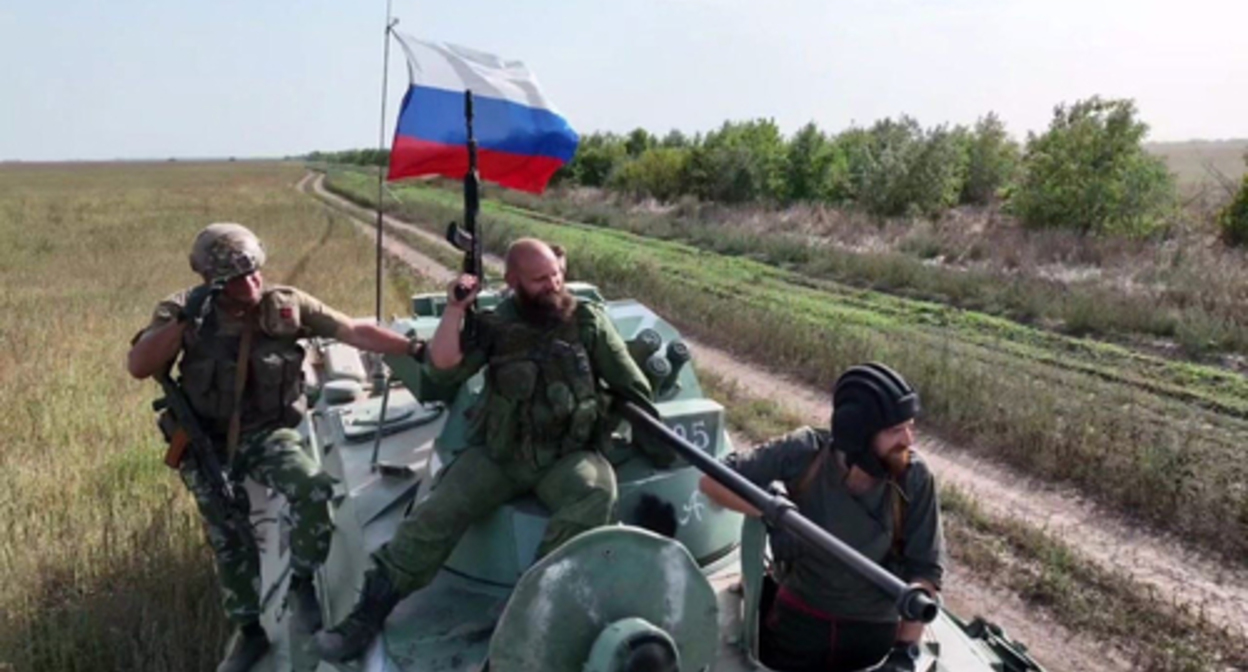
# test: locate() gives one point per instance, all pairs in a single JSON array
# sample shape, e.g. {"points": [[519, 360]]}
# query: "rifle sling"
{"points": [[808, 476], [894, 489], [240, 382]]}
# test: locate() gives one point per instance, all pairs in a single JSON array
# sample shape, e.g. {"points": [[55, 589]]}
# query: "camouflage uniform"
{"points": [[539, 426], [269, 451]]}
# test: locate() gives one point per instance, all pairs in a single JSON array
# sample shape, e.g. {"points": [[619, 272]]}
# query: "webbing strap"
{"points": [[808, 476], [240, 382]]}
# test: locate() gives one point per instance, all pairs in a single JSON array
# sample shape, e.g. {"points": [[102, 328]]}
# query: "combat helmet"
{"points": [[866, 399], [224, 251]]}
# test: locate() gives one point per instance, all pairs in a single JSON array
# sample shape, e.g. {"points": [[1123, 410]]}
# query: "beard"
{"points": [[545, 310], [897, 459]]}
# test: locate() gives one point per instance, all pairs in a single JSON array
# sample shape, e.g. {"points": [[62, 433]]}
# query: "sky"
{"points": [[88, 80]]}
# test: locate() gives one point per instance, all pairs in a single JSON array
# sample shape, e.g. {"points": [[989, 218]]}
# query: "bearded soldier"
{"points": [[863, 483], [542, 421], [242, 373]]}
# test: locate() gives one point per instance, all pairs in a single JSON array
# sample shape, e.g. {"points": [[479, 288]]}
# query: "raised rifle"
{"points": [[467, 238]]}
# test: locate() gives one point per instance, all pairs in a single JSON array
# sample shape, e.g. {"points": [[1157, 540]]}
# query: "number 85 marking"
{"points": [[696, 433]]}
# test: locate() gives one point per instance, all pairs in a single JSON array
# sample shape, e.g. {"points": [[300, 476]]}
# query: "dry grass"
{"points": [[102, 562], [1198, 162], [1184, 295], [1159, 440]]}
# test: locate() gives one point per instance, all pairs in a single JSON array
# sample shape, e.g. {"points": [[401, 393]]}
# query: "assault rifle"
{"points": [[467, 238], [181, 428], [186, 436]]}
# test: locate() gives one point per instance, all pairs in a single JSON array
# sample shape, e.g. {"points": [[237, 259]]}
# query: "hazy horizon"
{"points": [[138, 79]]}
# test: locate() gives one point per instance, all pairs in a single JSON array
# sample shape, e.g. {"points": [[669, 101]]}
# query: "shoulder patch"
{"points": [[279, 312]]}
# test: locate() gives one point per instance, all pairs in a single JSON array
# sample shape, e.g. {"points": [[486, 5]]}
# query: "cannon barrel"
{"points": [[913, 603]]}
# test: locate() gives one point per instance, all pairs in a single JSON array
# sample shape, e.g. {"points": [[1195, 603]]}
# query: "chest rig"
{"points": [[273, 393], [542, 398]]}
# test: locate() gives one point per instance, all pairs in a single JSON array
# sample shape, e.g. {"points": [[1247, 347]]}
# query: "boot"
{"points": [[351, 637], [246, 647], [301, 600]]}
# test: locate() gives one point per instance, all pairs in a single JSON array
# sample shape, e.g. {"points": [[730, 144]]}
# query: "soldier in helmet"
{"points": [[864, 483], [541, 424], [241, 370]]}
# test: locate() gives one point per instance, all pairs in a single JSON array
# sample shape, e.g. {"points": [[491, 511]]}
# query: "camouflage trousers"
{"points": [[578, 488], [276, 460]]}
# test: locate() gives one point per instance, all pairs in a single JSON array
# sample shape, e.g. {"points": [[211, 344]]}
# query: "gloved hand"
{"points": [[659, 455], [656, 515], [902, 658], [416, 348], [195, 300], [785, 546]]}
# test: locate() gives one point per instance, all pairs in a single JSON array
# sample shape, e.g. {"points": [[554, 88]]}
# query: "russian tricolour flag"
{"points": [[521, 139]]}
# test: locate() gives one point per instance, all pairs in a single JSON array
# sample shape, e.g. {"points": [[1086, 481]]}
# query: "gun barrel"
{"points": [[201, 448], [912, 602]]}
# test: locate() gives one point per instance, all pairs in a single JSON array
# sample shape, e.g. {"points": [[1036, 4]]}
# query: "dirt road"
{"points": [[1179, 574]]}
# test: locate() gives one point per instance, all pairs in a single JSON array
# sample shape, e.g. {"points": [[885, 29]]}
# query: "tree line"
{"points": [[1088, 171]]}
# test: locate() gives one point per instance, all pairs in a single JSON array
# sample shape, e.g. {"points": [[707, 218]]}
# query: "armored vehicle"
{"points": [[609, 599]]}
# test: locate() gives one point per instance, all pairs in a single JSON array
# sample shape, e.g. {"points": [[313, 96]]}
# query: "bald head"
{"points": [[525, 253], [535, 274]]}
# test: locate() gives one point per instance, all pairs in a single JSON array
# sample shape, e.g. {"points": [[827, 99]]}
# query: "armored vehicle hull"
{"points": [[594, 604]]}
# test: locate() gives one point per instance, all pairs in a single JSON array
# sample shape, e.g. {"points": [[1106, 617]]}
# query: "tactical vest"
{"points": [[274, 392], [542, 399]]}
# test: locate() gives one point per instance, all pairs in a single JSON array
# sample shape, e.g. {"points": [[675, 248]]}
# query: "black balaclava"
{"points": [[867, 399]]}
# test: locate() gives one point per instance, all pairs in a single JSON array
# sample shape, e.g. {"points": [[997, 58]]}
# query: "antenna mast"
{"points": [[381, 150]]}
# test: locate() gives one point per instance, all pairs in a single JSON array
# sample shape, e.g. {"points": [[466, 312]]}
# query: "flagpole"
{"points": [[380, 379], [381, 149]]}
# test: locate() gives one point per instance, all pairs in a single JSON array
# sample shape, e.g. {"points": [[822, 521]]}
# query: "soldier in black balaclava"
{"points": [[864, 483]]}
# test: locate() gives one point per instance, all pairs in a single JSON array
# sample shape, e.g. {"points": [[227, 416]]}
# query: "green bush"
{"points": [[1090, 172], [815, 169], [675, 140], [890, 150], [936, 177], [896, 168], [358, 157], [992, 160], [597, 156], [659, 172], [1233, 219], [639, 140], [739, 163]]}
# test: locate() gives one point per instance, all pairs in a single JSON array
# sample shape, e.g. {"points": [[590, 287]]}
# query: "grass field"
{"points": [[102, 561], [1184, 296], [1156, 438], [1199, 161]]}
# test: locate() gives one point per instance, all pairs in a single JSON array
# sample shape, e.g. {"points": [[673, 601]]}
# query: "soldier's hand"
{"points": [[785, 546], [195, 300], [416, 348], [462, 291]]}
